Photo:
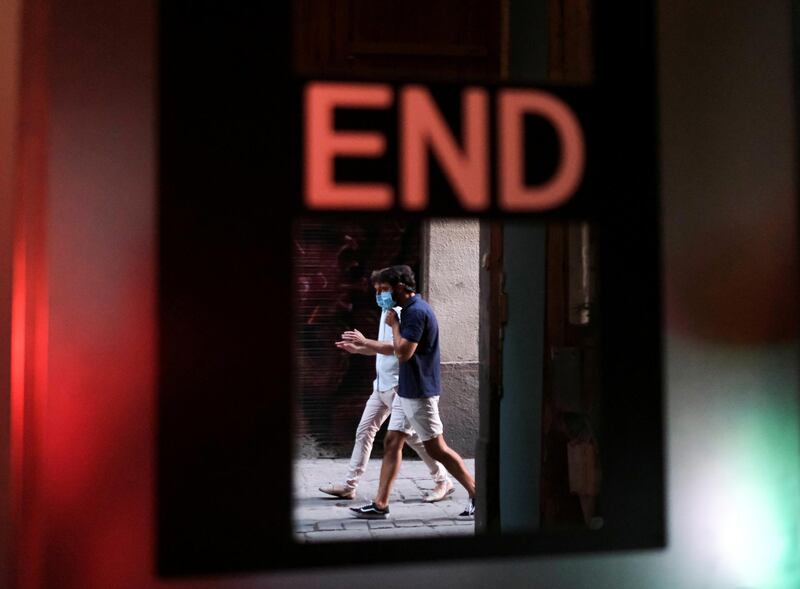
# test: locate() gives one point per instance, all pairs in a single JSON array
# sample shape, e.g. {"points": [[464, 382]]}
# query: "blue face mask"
{"points": [[385, 300]]}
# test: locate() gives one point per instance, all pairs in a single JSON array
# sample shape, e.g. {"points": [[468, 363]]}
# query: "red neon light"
{"points": [[514, 194], [18, 341], [323, 144], [423, 126]]}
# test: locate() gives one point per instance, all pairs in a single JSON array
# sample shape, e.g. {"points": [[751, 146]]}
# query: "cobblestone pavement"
{"points": [[319, 517]]}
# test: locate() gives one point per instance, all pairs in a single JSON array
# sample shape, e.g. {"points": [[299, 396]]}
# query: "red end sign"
{"points": [[464, 160]]}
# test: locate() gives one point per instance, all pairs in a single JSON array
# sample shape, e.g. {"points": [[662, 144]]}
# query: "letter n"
{"points": [[422, 127]]}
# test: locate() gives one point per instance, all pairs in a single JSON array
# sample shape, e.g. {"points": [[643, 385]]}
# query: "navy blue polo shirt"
{"points": [[419, 376]]}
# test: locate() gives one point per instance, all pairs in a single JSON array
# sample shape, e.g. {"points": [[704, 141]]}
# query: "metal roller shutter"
{"points": [[332, 262]]}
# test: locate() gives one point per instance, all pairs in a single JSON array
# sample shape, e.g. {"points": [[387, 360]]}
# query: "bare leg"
{"points": [[437, 470], [392, 458], [440, 451]]}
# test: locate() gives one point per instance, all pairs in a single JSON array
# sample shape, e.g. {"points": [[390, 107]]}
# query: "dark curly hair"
{"points": [[401, 274]]}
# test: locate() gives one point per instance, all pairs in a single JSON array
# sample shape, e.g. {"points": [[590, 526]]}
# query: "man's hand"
{"points": [[402, 348], [354, 342], [355, 337], [348, 347]]}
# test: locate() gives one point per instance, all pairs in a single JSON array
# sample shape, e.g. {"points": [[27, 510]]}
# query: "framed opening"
{"points": [[548, 406], [567, 446]]}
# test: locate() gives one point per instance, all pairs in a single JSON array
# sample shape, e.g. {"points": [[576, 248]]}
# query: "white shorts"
{"points": [[420, 415]]}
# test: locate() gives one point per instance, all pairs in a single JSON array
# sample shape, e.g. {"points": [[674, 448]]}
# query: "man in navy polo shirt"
{"points": [[379, 405], [416, 345]]}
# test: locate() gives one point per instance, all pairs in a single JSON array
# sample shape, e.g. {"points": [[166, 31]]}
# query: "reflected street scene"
{"points": [[405, 333]]}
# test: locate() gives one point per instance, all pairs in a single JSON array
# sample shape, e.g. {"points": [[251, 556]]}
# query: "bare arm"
{"points": [[352, 348], [365, 346], [403, 348], [376, 347]]}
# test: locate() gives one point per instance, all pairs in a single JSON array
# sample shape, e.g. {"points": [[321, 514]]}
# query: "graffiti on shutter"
{"points": [[333, 260]]}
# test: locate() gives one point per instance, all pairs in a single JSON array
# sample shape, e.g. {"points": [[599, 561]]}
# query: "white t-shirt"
{"points": [[387, 368]]}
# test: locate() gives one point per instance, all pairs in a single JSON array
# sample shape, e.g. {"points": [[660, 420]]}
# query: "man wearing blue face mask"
{"points": [[380, 403]]}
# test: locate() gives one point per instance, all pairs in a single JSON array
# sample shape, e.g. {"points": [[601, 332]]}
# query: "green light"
{"points": [[751, 539], [758, 499]]}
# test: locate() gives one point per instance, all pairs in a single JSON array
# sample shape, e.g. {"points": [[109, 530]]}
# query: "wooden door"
{"points": [[572, 425], [436, 39]]}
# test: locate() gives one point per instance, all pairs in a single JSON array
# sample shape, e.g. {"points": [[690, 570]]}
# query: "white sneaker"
{"points": [[338, 490], [440, 491]]}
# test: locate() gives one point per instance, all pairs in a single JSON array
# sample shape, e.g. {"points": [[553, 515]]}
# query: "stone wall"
{"points": [[451, 264]]}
